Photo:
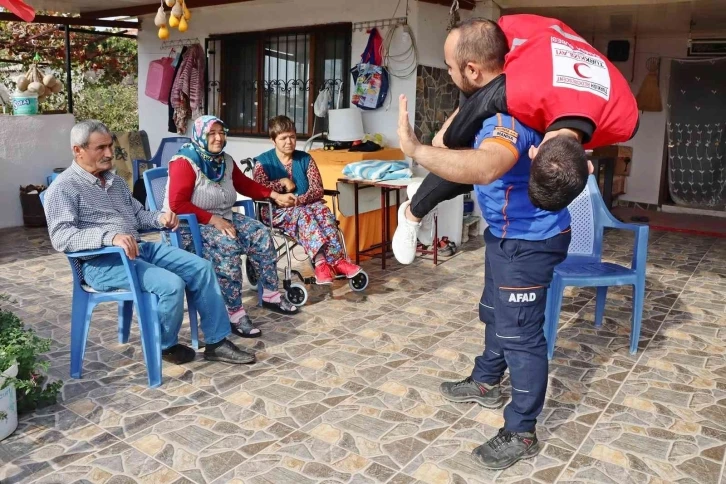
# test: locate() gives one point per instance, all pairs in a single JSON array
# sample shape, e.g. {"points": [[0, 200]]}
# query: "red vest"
{"points": [[552, 73]]}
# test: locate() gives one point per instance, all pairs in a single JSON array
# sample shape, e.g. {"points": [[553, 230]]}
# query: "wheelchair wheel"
{"points": [[359, 282], [297, 294], [252, 278]]}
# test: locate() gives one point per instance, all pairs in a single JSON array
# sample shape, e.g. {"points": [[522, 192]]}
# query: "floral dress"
{"points": [[311, 223]]}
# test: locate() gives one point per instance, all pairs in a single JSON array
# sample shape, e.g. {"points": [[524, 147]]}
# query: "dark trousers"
{"points": [[434, 190], [517, 275]]}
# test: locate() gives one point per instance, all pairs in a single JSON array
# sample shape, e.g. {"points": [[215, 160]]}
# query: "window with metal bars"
{"points": [[252, 77]]}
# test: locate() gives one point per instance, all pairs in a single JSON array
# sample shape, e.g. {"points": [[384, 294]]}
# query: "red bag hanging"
{"points": [[159, 79]]}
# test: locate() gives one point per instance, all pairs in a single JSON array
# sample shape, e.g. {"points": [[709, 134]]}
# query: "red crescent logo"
{"points": [[577, 68]]}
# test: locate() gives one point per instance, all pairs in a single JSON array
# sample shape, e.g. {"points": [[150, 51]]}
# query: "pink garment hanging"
{"points": [[187, 92]]}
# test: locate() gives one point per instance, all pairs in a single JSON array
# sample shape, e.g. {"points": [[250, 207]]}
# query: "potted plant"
{"points": [[23, 383]]}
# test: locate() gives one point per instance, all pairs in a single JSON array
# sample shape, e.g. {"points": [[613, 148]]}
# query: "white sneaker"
{"points": [[426, 226], [404, 239]]}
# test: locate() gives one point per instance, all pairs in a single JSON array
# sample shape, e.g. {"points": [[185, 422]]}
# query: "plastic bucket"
{"points": [[8, 404], [25, 104]]}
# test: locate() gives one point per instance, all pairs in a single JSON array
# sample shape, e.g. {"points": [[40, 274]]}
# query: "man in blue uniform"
{"points": [[523, 246]]}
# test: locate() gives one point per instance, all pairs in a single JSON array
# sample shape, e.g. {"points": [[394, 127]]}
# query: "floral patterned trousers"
{"points": [[254, 240], [314, 227]]}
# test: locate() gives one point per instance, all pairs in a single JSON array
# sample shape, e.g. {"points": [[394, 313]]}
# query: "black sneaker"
{"points": [[227, 352], [468, 390], [506, 449]]}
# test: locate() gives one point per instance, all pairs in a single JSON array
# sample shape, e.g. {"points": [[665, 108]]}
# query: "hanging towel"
{"points": [[377, 170]]}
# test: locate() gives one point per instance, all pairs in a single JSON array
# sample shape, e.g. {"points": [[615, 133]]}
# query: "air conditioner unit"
{"points": [[706, 47]]}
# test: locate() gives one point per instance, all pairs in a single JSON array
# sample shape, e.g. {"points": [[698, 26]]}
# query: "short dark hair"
{"points": [[558, 173], [280, 124], [481, 41]]}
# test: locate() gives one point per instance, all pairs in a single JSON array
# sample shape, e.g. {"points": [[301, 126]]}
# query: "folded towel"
{"points": [[377, 170]]}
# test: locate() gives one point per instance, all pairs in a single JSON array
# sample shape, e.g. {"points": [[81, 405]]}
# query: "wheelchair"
{"points": [[296, 292]]}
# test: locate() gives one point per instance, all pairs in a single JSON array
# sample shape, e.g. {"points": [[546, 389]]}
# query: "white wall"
{"points": [[25, 161], [271, 14], [643, 184]]}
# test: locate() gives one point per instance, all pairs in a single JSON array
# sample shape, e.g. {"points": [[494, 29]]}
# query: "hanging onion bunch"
{"points": [[36, 82], [178, 19]]}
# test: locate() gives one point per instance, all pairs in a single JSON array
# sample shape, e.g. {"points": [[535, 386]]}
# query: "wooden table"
{"points": [[386, 187], [331, 164]]}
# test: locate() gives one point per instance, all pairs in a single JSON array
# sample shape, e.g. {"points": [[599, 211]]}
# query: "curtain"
{"points": [[695, 124]]}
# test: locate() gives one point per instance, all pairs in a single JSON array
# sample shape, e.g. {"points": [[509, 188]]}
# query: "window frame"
{"points": [[259, 37]]}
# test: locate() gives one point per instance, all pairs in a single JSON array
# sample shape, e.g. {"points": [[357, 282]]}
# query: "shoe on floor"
{"points": [[227, 352], [242, 326], [346, 268], [470, 391], [506, 449], [324, 274], [179, 354], [405, 237]]}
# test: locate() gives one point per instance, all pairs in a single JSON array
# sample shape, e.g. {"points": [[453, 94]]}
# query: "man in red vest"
{"points": [[553, 82]]}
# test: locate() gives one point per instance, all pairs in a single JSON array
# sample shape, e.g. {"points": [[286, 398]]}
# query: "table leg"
{"points": [[388, 216], [436, 238], [384, 221], [355, 215]]}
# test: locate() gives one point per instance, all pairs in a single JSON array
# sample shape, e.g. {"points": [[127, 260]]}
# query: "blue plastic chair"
{"points": [[167, 149], [155, 182], [584, 267], [85, 299]]}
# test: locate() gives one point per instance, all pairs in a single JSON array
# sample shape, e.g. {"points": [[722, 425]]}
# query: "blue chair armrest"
{"points": [[95, 252], [193, 223], [640, 247], [128, 265]]}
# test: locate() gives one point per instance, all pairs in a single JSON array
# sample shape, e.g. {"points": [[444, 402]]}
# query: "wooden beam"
{"points": [[58, 20], [152, 8], [463, 4]]}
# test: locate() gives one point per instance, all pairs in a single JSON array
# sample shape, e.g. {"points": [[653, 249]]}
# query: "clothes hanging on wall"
{"points": [[187, 93], [177, 63]]}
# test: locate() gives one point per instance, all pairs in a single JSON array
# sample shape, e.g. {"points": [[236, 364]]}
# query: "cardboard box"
{"points": [[619, 185], [622, 154]]}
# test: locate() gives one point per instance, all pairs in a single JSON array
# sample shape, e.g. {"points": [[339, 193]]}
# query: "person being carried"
{"points": [[523, 245], [597, 110], [310, 222], [204, 180], [88, 208]]}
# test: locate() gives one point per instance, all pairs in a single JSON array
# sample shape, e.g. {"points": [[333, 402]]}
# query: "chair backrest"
{"points": [[155, 181], [168, 148], [75, 263], [586, 232]]}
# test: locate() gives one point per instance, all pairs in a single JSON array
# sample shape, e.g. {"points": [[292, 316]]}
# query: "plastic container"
{"points": [[33, 213], [159, 79], [25, 103], [8, 404]]}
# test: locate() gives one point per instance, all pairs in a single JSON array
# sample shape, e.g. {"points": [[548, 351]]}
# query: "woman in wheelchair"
{"points": [[310, 222], [204, 181]]}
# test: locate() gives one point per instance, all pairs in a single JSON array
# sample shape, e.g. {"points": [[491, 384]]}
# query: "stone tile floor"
{"points": [[347, 390]]}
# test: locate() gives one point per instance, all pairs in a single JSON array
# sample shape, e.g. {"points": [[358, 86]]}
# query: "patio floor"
{"points": [[347, 390]]}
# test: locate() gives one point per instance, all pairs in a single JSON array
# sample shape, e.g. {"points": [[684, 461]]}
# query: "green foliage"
{"points": [[104, 70], [22, 346], [116, 106]]}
